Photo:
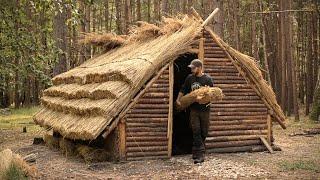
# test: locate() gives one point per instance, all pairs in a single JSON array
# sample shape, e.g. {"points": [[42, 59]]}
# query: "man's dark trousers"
{"points": [[199, 120]]}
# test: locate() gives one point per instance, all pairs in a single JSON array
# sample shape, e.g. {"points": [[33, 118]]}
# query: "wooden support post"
{"points": [[122, 140], [269, 123], [201, 49], [170, 114], [210, 17], [265, 142]]}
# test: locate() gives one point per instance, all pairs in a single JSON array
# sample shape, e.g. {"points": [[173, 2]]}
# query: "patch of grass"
{"points": [[14, 173], [19, 118], [300, 165]]}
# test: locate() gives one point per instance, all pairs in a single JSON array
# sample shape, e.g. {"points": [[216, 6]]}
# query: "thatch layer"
{"points": [[106, 40], [84, 100]]}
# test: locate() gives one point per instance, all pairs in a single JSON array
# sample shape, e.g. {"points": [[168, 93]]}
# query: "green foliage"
{"points": [[27, 46], [14, 173], [315, 112], [300, 165]]}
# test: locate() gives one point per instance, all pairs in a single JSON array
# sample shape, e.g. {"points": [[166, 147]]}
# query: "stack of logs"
{"points": [[147, 121], [236, 122]]}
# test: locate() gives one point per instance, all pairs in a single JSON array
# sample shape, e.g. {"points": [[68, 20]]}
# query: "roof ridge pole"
{"points": [[214, 12]]}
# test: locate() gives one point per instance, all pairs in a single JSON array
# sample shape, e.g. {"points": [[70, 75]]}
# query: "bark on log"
{"points": [[237, 132], [232, 143]]}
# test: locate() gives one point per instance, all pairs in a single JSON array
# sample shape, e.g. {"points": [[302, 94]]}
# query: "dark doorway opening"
{"points": [[182, 133]]}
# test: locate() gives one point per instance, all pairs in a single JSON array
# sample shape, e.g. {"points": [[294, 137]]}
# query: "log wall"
{"points": [[147, 123], [240, 118]]}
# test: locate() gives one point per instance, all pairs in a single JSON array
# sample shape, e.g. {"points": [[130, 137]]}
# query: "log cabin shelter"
{"points": [[125, 97]]}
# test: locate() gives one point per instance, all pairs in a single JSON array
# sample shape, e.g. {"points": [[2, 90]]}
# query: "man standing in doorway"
{"points": [[199, 113]]}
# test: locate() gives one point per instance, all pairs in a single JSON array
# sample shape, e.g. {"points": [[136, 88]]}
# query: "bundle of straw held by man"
{"points": [[203, 95]]}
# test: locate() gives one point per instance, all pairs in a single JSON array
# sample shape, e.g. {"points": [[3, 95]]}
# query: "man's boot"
{"points": [[199, 158], [195, 154]]}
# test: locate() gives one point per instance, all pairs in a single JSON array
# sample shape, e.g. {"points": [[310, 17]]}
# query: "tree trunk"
{"points": [[218, 19], [138, 10], [118, 16]]}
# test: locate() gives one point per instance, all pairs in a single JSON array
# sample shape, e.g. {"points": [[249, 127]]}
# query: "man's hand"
{"points": [[178, 103]]}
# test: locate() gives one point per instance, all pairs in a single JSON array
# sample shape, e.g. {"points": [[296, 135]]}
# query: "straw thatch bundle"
{"points": [[9, 160], [203, 95], [84, 100], [51, 141], [143, 31], [67, 147], [92, 155], [170, 25], [106, 40]]}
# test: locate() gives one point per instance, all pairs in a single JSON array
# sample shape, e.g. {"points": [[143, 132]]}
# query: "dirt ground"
{"points": [[299, 159]]}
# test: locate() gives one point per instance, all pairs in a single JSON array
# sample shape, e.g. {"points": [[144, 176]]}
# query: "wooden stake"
{"points": [[122, 140], [265, 142], [201, 49], [170, 116], [269, 123]]}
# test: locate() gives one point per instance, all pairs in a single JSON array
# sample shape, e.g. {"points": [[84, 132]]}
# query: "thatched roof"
{"points": [[87, 99], [84, 100]]}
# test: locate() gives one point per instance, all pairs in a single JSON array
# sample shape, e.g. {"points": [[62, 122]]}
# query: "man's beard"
{"points": [[196, 73]]}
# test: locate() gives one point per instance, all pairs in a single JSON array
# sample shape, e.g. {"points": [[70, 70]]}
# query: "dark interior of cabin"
{"points": [[182, 133]]}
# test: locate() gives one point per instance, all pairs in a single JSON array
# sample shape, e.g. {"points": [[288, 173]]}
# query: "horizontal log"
{"points": [[153, 101], [144, 154], [146, 120], [241, 101], [162, 81], [158, 89], [149, 111], [236, 105], [139, 134], [211, 44], [146, 139], [232, 143], [220, 81], [237, 132], [217, 70], [149, 124], [147, 149], [241, 98], [148, 144], [217, 63], [147, 116], [239, 93], [236, 122], [254, 148], [228, 78], [235, 86], [146, 129], [237, 117], [233, 138], [214, 55], [242, 109], [213, 48], [164, 76], [147, 158], [157, 85], [151, 106], [156, 95], [214, 113], [238, 127], [224, 59]]}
